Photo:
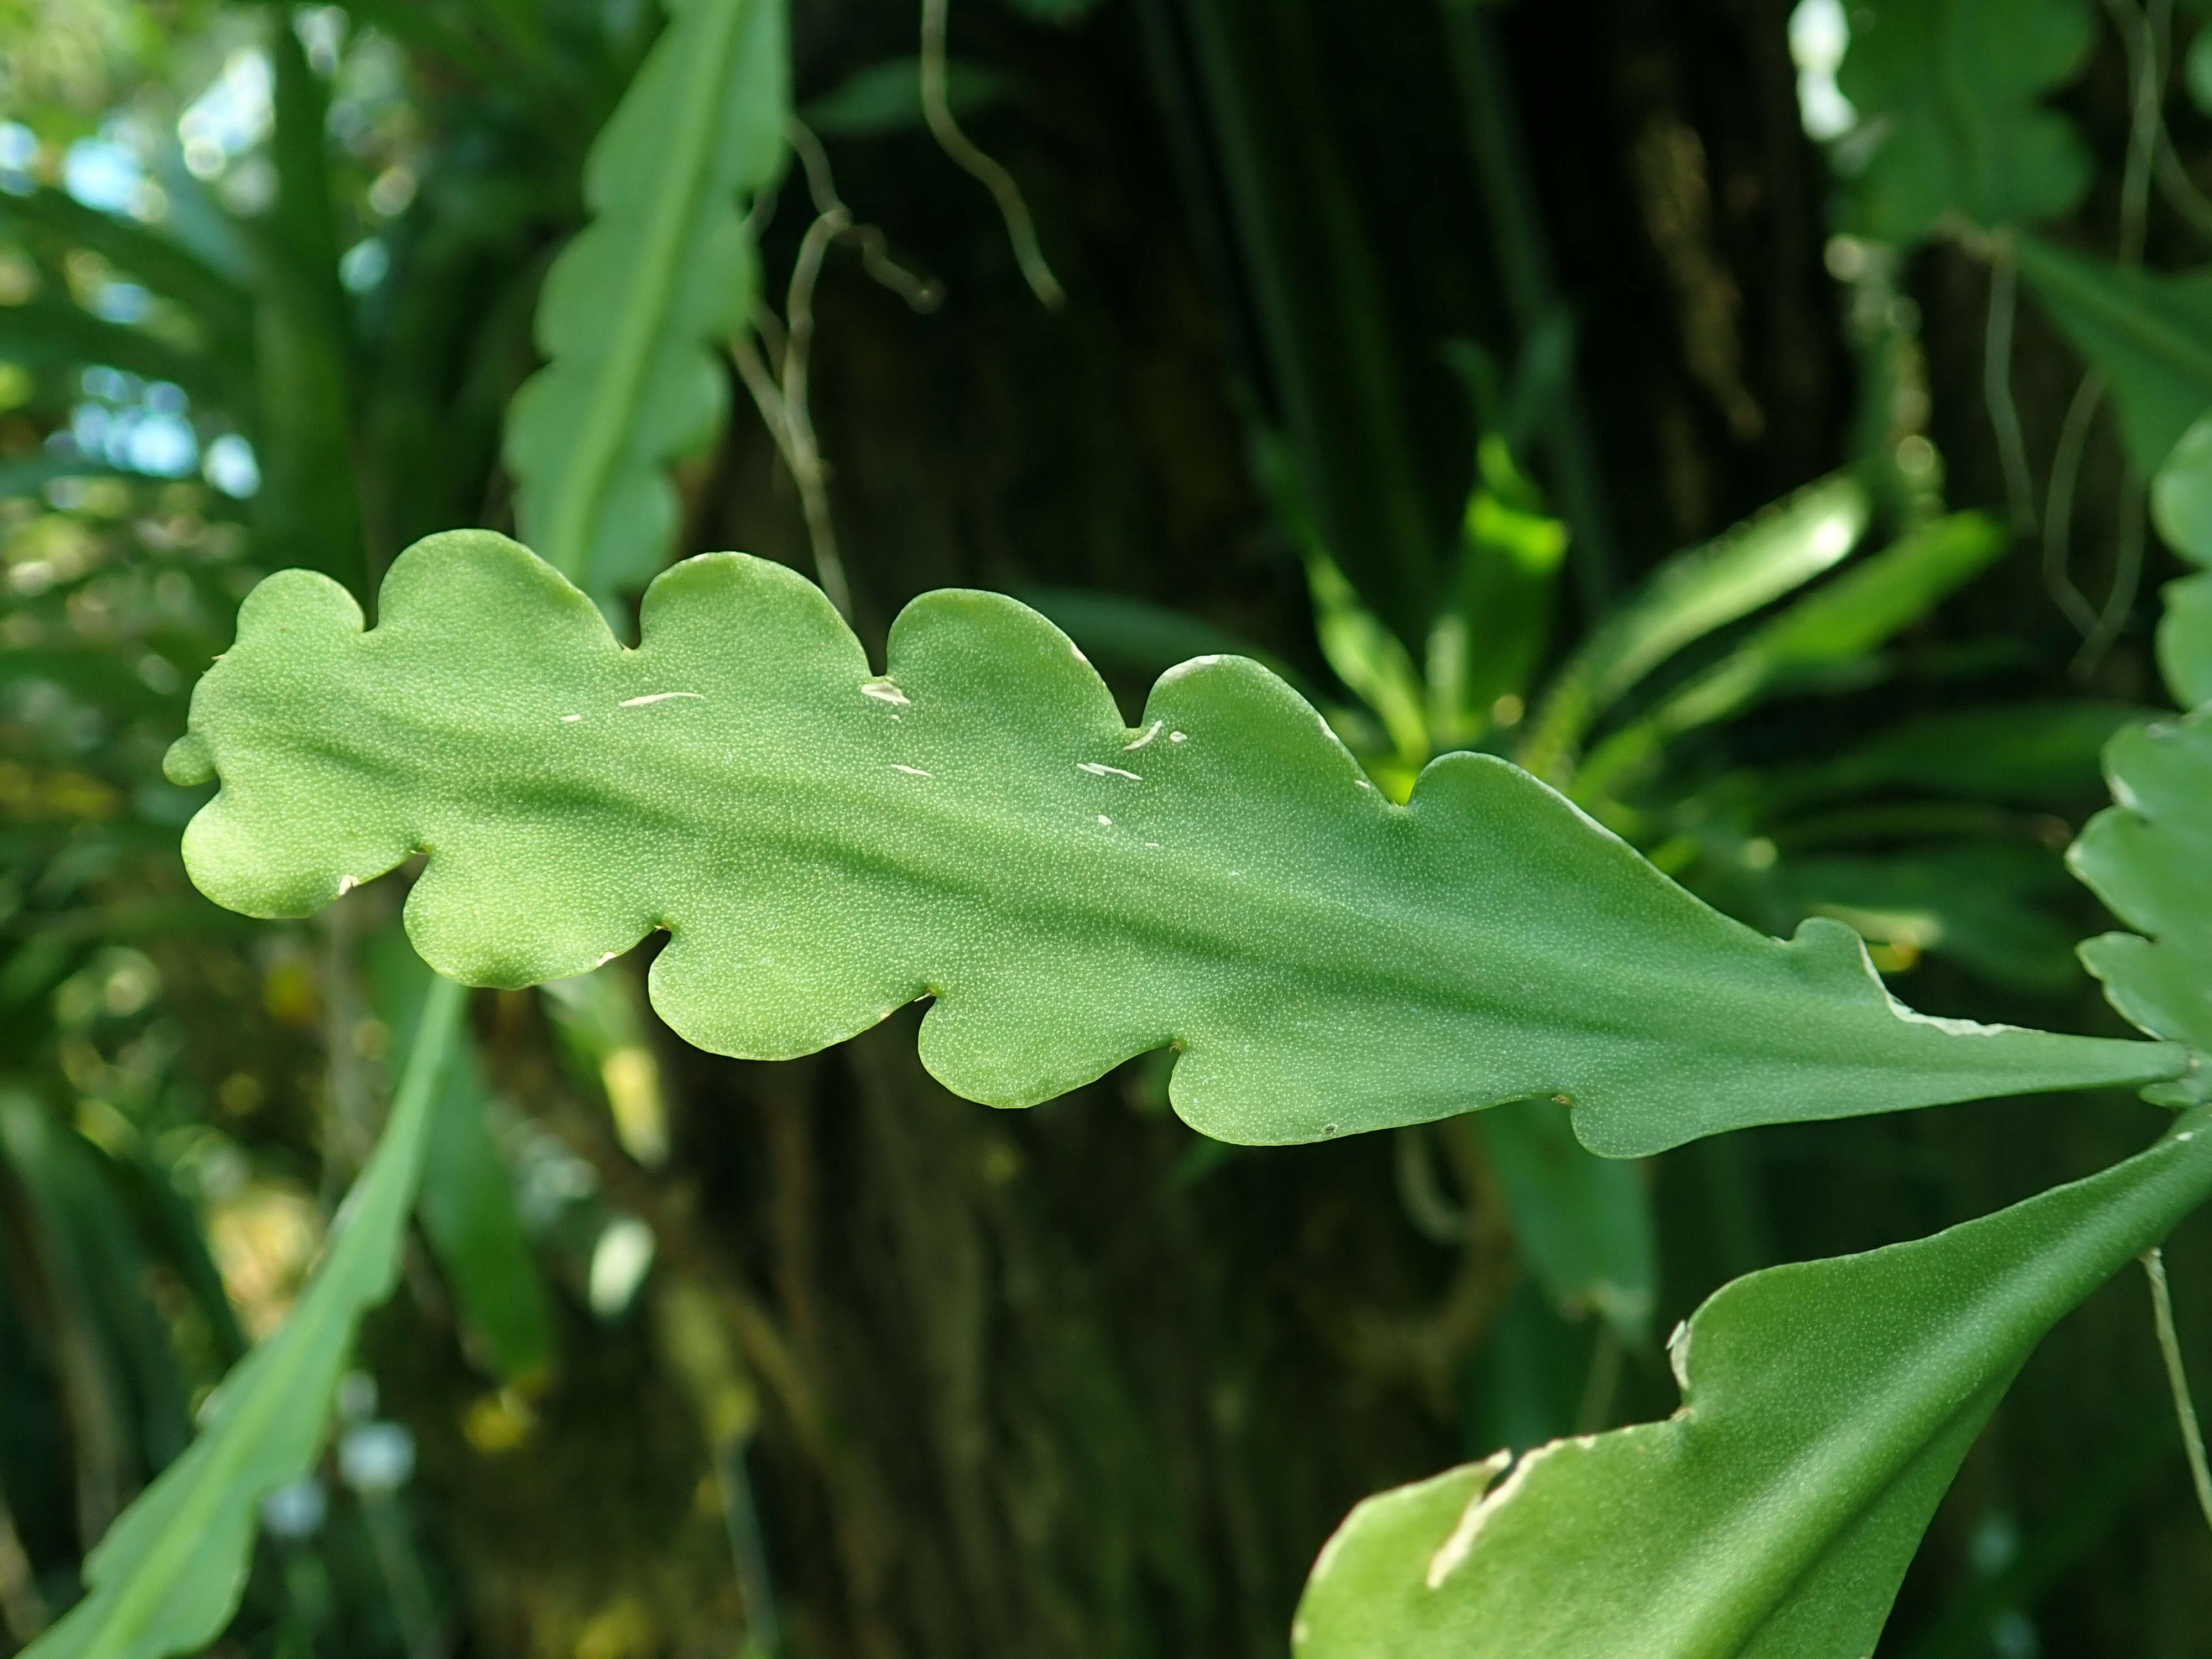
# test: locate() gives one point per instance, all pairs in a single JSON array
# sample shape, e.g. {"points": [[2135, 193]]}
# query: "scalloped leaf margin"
{"points": [[822, 845]]}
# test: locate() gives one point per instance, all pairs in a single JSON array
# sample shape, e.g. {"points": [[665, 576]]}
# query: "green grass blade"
{"points": [[634, 306], [1369, 658], [1837, 624], [167, 1575], [1689, 596], [1825, 1407], [824, 845]]}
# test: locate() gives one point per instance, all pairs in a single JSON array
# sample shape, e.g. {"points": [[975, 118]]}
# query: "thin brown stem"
{"points": [[803, 454], [937, 110]]}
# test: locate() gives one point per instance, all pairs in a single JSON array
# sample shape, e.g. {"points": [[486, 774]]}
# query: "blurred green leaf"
{"points": [[2149, 334], [1583, 1222], [220, 304], [2181, 505], [30, 477], [1835, 625], [2185, 639], [54, 333], [1368, 658], [1336, 438], [601, 1020], [2146, 857], [2181, 489], [307, 509], [98, 1270], [1983, 904], [2033, 753], [167, 1575], [824, 845], [634, 306], [1851, 616], [886, 97], [1825, 1407], [467, 1201], [1949, 92], [1694, 592], [1490, 637]]}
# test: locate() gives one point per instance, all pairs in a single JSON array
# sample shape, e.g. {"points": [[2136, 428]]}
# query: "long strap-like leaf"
{"points": [[825, 844], [167, 1575]]}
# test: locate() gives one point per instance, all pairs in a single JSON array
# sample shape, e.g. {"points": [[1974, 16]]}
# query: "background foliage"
{"points": [[1410, 343]]}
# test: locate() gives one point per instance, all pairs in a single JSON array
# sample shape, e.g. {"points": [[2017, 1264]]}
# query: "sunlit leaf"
{"points": [[1491, 635], [1825, 1408], [634, 307], [1368, 658], [1949, 92], [1691, 595], [167, 1575], [1835, 625], [467, 1201], [824, 844]]}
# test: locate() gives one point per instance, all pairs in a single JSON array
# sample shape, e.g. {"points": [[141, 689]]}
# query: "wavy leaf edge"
{"points": [[1824, 960]]}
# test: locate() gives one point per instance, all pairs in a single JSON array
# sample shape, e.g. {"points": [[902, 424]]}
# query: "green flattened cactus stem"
{"points": [[824, 844]]}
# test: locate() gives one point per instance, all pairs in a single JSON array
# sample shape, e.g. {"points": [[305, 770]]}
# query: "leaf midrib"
{"points": [[573, 528]]}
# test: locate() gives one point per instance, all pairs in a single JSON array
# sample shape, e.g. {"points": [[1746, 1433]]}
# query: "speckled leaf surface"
{"points": [[823, 844], [1825, 1407]]}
